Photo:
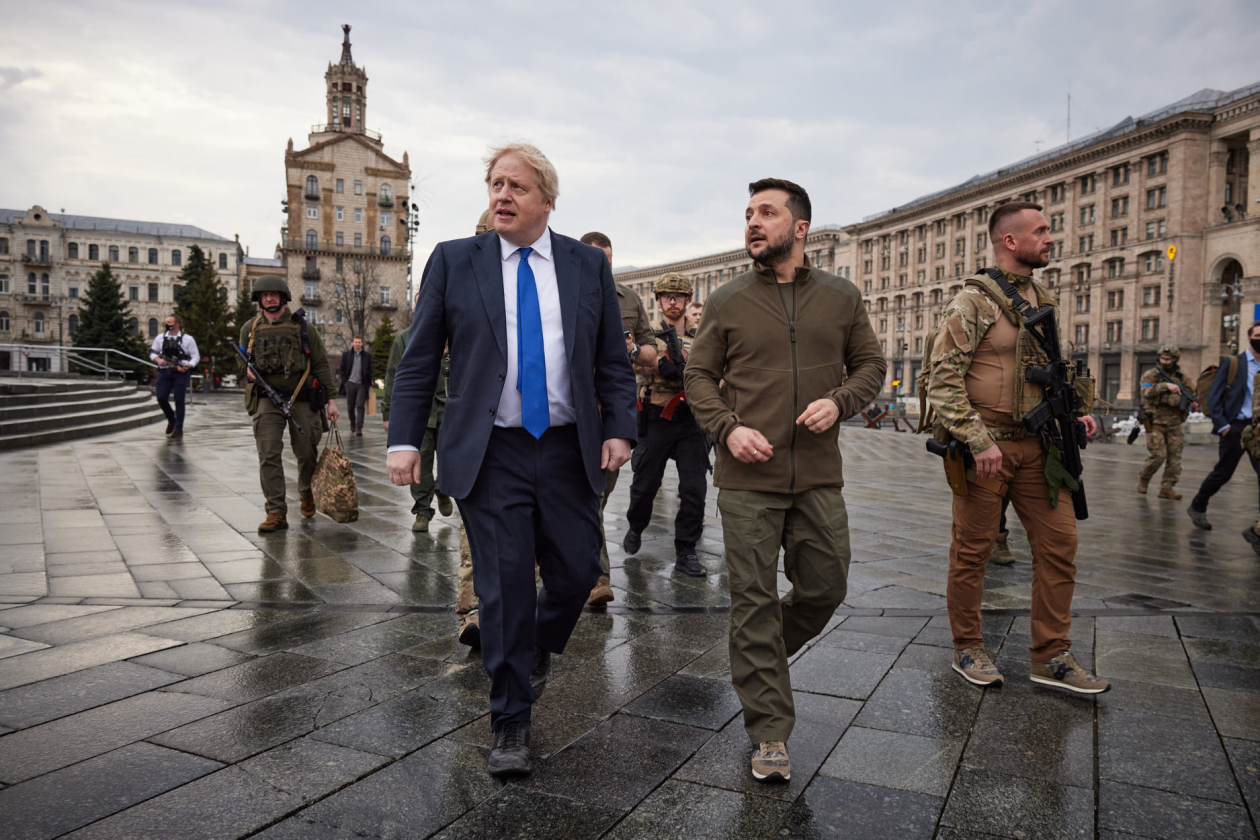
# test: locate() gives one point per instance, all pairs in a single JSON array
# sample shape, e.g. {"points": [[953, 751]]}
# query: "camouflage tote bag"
{"points": [[333, 483]]}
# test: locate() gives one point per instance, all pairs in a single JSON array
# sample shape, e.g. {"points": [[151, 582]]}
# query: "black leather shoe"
{"points": [[170, 427], [1252, 537], [632, 541], [689, 564], [178, 433], [541, 670], [1199, 518], [509, 756]]}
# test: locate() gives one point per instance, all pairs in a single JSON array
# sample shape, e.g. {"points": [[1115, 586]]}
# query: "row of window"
{"points": [[39, 325], [1115, 332], [311, 292], [40, 286], [40, 250], [384, 193], [312, 241], [312, 212]]}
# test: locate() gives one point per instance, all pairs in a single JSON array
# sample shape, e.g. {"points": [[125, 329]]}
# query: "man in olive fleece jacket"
{"points": [[767, 380]]}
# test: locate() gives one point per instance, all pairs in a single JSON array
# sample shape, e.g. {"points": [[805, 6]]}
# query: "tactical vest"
{"points": [[277, 352], [1028, 353]]}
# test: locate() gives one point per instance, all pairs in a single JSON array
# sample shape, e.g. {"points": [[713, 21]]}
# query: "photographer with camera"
{"points": [[175, 354]]}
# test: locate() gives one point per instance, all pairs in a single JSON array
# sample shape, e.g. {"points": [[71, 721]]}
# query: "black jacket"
{"points": [[1225, 407], [347, 364]]}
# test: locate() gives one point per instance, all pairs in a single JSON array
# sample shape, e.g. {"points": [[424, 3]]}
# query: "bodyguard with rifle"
{"points": [[285, 362], [176, 355], [1167, 400], [1010, 418]]}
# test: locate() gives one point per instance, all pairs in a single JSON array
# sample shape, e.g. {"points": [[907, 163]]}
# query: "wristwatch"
{"points": [[635, 353]]}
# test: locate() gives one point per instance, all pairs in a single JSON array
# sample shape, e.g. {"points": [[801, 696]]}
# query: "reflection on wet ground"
{"points": [[167, 671]]}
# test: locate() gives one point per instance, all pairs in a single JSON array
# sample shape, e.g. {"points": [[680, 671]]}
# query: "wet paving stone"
{"points": [[40, 702], [1148, 698], [527, 813], [870, 642], [895, 760], [193, 660], [1168, 816], [415, 797], [840, 672], [401, 725], [72, 797], [1000, 804], [693, 701], [259, 677], [104, 623], [1144, 750], [619, 762], [1034, 734], [1236, 714], [934, 704], [834, 808], [302, 629], [66, 659], [683, 811], [550, 731]]}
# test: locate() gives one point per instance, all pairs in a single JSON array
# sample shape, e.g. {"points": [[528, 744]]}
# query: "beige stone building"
{"points": [[344, 247], [1180, 176], [47, 259], [827, 247]]}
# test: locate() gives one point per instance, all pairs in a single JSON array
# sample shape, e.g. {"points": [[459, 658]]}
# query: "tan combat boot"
{"points": [[275, 522], [1002, 554], [1169, 493], [1142, 483], [602, 593], [308, 504], [470, 630]]}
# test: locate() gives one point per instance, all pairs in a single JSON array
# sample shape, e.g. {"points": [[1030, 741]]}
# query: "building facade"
{"points": [[1181, 177], [344, 247], [827, 247], [47, 259]]}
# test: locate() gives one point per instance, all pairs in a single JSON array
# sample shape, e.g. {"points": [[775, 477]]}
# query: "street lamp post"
{"points": [[413, 230]]}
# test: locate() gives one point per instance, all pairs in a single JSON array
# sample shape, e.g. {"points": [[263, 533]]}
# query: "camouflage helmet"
{"points": [[673, 284], [270, 283], [483, 224], [1170, 350]]}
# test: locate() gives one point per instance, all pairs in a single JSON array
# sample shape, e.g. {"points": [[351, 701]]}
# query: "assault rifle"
{"points": [[1187, 398], [1144, 422], [673, 352], [173, 352], [1055, 417], [270, 392]]}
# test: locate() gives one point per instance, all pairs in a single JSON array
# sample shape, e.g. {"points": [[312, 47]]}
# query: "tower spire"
{"points": [[346, 58]]}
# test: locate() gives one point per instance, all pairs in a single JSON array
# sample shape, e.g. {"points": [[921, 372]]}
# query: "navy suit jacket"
{"points": [[1225, 411], [461, 300]]}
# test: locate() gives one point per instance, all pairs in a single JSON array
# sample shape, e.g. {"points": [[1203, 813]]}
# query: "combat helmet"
{"points": [[1170, 350], [672, 283], [270, 283], [483, 224]]}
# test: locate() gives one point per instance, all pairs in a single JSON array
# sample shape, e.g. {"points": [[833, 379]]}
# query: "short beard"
{"points": [[775, 254], [1033, 260]]}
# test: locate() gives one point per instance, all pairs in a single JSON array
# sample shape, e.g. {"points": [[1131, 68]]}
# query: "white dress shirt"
{"points": [[186, 342], [559, 385]]}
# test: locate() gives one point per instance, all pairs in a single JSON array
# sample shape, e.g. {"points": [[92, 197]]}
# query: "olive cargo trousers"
{"points": [[812, 528], [269, 431], [1051, 535]]}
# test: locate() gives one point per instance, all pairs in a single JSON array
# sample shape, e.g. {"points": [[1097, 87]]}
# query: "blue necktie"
{"points": [[531, 366]]}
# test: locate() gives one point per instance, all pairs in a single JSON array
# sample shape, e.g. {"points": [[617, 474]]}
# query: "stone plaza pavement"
{"points": [[167, 672]]}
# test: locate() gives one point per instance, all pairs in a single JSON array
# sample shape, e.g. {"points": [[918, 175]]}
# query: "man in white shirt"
{"points": [[540, 402], [175, 354]]}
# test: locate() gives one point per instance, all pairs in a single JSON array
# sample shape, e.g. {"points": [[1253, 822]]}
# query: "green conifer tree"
{"points": [[203, 307], [105, 320], [245, 312], [382, 341]]}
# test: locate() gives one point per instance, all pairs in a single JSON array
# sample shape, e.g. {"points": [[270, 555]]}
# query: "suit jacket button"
{"points": [[492, 412], [501, 377]]}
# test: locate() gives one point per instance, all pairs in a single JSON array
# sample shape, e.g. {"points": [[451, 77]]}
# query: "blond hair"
{"points": [[548, 179]]}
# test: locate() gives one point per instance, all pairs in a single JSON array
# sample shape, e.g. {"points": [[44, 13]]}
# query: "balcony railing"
{"points": [[385, 201], [389, 307], [342, 129], [312, 196], [299, 243], [37, 259], [310, 274], [310, 300]]}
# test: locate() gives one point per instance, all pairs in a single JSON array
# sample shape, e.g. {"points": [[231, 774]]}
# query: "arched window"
{"points": [[153, 328], [385, 191], [4, 320], [72, 323], [113, 253], [39, 324], [312, 186], [153, 256], [94, 252], [133, 254], [177, 257], [133, 327], [72, 250], [312, 241], [385, 245], [385, 195]]}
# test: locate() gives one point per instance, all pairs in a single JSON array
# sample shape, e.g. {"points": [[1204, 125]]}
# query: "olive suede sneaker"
{"points": [[1064, 672], [770, 762], [976, 666]]}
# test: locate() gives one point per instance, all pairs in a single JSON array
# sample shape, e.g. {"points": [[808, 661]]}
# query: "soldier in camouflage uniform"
{"points": [[422, 493], [274, 341], [1161, 400], [976, 387], [670, 431], [641, 347]]}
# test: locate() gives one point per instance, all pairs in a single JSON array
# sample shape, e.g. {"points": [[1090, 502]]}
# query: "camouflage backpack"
{"points": [[333, 482], [926, 415]]}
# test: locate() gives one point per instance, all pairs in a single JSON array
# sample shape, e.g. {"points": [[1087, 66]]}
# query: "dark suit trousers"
{"points": [[168, 382], [1230, 453], [356, 403], [531, 499]]}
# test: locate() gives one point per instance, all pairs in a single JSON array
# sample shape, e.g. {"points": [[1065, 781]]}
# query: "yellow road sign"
{"points": [[1172, 252]]}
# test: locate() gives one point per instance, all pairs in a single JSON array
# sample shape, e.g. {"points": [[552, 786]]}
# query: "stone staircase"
{"points": [[34, 412]]}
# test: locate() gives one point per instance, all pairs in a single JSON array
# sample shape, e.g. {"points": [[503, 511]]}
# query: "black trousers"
{"points": [[680, 439], [168, 382], [356, 403], [1230, 453], [531, 500]]}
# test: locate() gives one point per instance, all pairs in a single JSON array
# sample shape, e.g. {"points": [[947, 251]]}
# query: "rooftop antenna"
{"points": [[1069, 112]]}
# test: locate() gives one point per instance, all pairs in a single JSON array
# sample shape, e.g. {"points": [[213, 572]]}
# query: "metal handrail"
{"points": [[74, 354]]}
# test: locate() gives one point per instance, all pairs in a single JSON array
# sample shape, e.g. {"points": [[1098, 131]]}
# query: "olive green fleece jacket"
{"points": [[776, 348]]}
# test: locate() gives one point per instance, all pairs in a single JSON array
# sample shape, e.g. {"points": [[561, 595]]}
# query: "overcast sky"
{"points": [[657, 115]]}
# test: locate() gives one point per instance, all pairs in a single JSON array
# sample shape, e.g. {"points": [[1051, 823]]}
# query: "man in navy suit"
{"points": [[1230, 406], [540, 401]]}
